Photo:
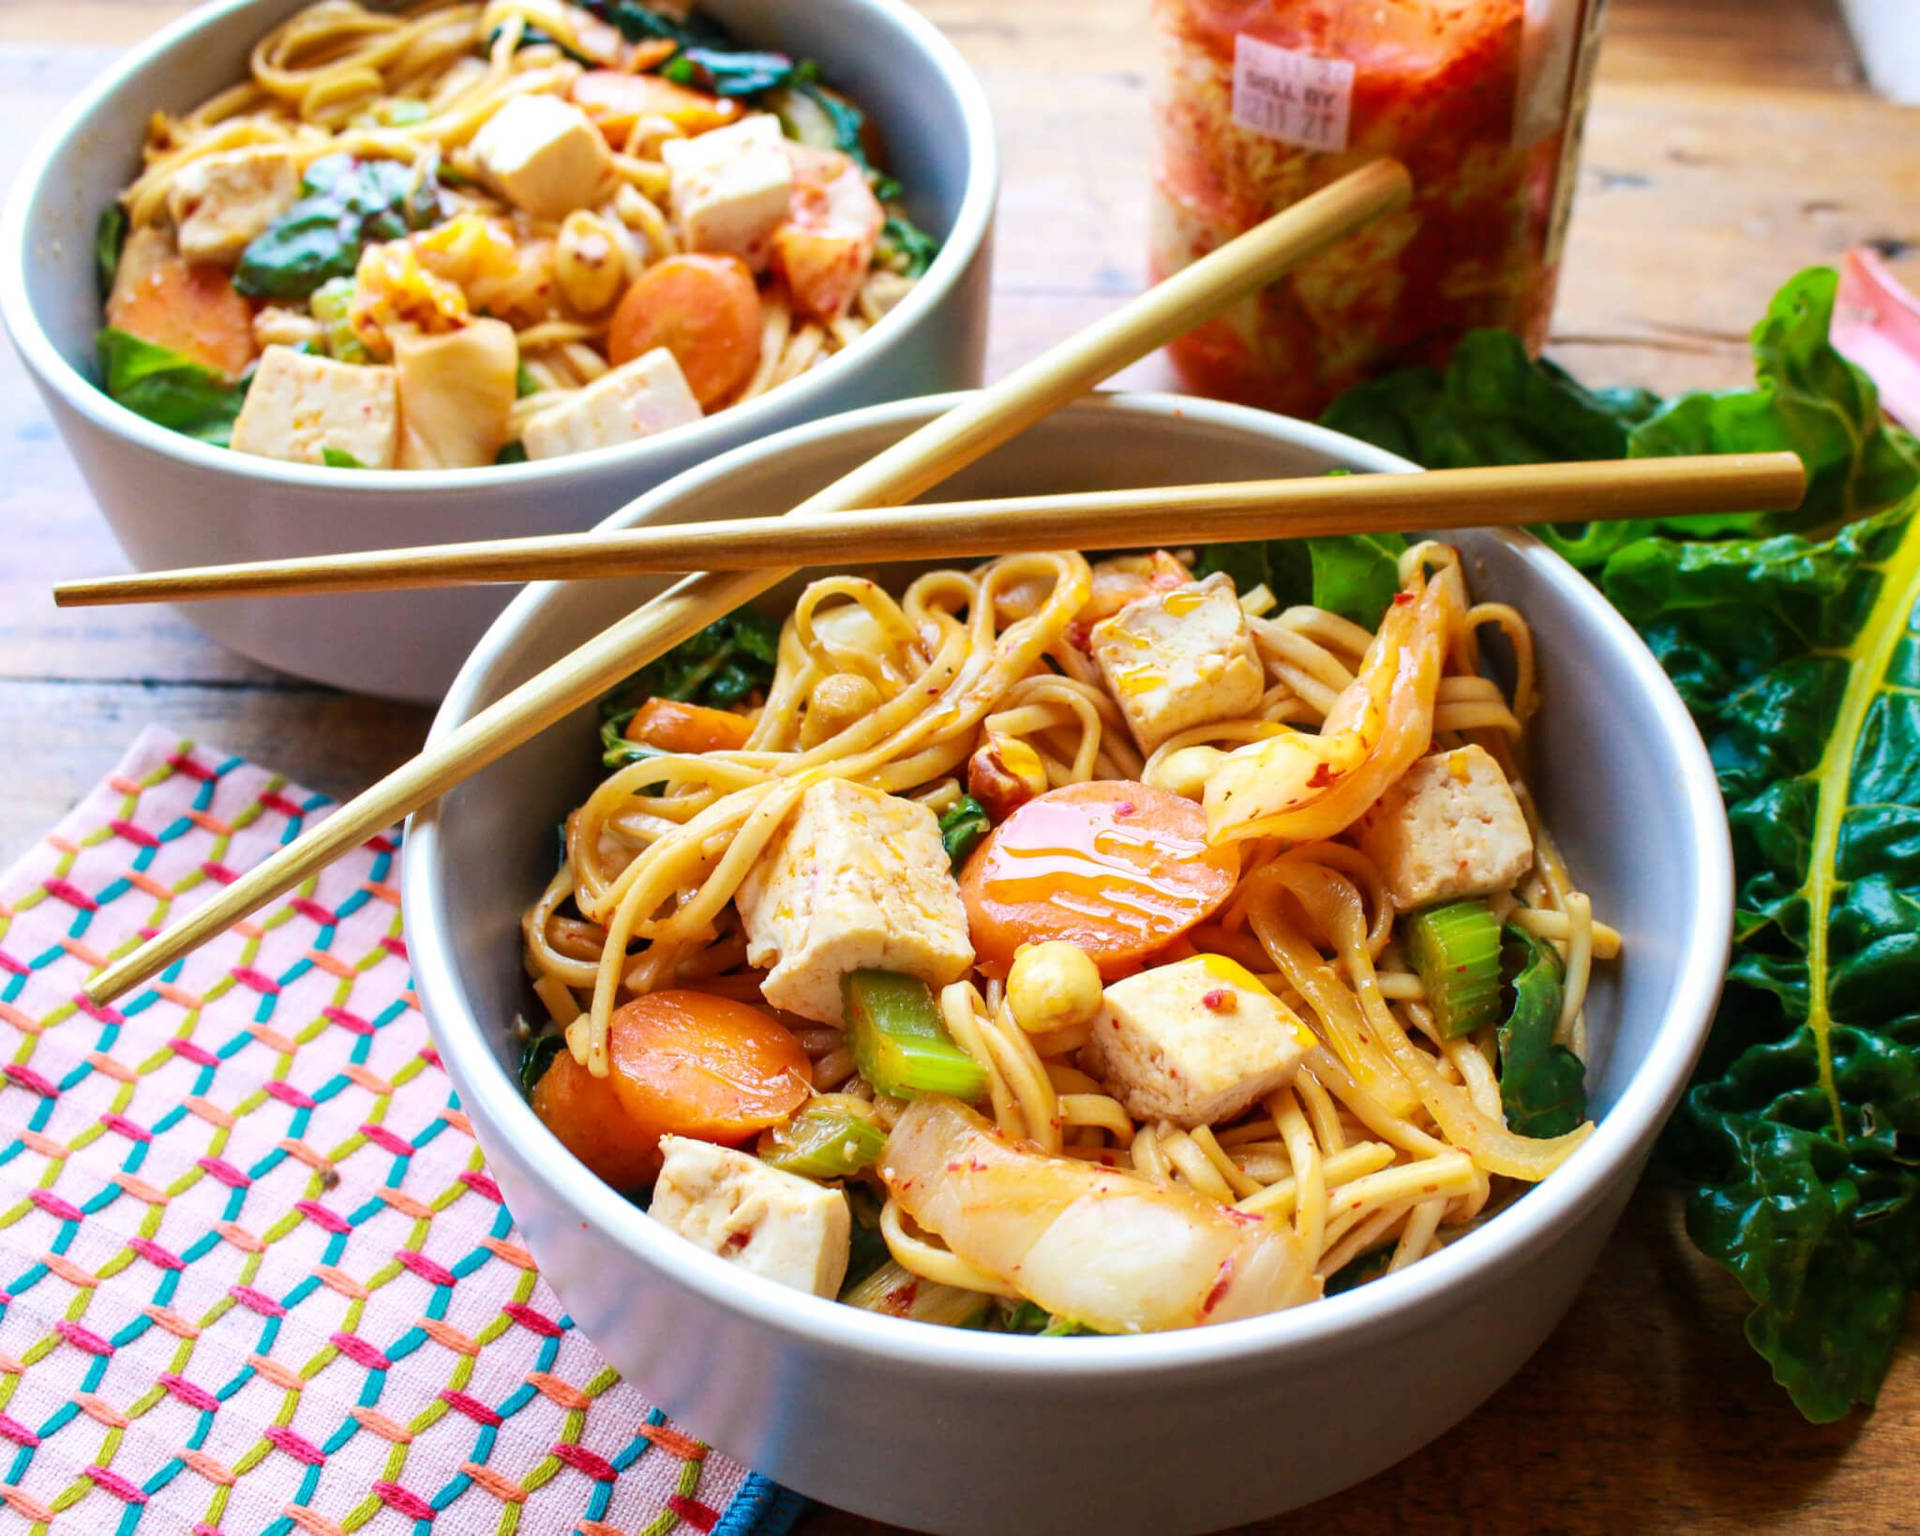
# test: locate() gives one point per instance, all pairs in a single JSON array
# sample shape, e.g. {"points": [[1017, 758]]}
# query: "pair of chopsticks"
{"points": [[1122, 519], [896, 475]]}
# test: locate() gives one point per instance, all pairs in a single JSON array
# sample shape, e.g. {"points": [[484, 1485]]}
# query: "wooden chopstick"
{"points": [[897, 474], [1119, 519]]}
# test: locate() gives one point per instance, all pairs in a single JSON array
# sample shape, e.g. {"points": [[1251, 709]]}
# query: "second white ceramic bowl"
{"points": [[173, 501], [984, 1433]]}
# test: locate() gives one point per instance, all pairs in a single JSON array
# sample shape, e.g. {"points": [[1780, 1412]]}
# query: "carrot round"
{"points": [[703, 309], [1117, 868], [616, 100], [189, 309], [673, 726], [583, 1111], [688, 1063]]}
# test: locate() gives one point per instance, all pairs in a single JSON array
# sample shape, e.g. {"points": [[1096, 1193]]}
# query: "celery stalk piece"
{"points": [[1456, 950], [823, 1142], [898, 1042]]}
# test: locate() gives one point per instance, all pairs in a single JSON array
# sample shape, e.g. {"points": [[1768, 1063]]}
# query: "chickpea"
{"points": [[587, 263], [1185, 773], [839, 701], [1052, 986]]}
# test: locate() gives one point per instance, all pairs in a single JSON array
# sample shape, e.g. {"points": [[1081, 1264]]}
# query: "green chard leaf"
{"points": [[906, 247], [1543, 1086], [109, 237], [168, 389], [339, 458], [1801, 663], [728, 73], [346, 204], [536, 1055], [720, 666]]}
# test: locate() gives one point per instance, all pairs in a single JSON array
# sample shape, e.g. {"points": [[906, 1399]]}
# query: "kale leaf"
{"points": [[536, 1055], [169, 389], [729, 74], [345, 205], [1352, 574]]}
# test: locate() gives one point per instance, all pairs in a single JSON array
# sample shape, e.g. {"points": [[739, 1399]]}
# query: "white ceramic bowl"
{"points": [[990, 1434], [173, 501]]}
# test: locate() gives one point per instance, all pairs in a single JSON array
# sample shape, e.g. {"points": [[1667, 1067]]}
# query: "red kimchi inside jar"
{"points": [[1260, 102]]}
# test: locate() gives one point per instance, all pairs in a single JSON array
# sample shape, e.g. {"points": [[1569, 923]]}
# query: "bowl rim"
{"points": [[964, 243], [1390, 1305]]}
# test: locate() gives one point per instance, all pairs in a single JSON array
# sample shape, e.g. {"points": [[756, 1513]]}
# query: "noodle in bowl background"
{"points": [[173, 501], [969, 1432]]}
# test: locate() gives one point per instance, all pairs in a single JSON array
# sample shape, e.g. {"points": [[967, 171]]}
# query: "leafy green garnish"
{"points": [[962, 825], [168, 389], [905, 247], [536, 1055], [729, 74], [524, 383], [514, 452], [109, 237], [1795, 641], [339, 458], [345, 205], [638, 23], [1030, 1317], [1358, 1271], [719, 667], [1352, 574], [1543, 1086]]}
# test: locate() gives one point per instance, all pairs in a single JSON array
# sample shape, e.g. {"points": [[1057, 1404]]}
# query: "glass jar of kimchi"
{"points": [[1259, 102]]}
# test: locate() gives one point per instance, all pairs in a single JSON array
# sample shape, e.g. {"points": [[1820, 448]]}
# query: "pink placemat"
{"points": [[254, 1277]]}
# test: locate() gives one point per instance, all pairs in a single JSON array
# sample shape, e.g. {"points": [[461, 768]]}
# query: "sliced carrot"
{"points": [[616, 100], [189, 309], [687, 1063], [585, 1113], [1117, 868], [824, 249], [703, 309], [676, 727]]}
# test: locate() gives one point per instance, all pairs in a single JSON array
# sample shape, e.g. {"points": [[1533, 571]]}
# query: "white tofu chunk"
{"points": [[456, 393], [856, 880], [731, 187], [544, 156], [637, 399], [299, 405], [1179, 658], [1194, 1042], [220, 202], [1449, 827], [776, 1224]]}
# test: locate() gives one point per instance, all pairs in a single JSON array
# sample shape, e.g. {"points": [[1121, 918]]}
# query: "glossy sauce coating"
{"points": [[1118, 868]]}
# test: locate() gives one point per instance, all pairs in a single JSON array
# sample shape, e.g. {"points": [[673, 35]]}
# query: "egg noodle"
{"points": [[1388, 1138], [415, 86]]}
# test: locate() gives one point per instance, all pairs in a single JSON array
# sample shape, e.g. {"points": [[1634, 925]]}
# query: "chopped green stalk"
{"points": [[824, 1142], [892, 1290], [1456, 950], [330, 305], [898, 1042]]}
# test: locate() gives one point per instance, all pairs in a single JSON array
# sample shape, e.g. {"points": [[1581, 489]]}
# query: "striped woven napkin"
{"points": [[254, 1277]]}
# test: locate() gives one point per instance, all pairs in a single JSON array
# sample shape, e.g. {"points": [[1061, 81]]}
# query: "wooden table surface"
{"points": [[1731, 142]]}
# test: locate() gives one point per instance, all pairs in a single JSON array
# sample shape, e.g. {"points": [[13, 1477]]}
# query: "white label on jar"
{"points": [[1295, 97]]}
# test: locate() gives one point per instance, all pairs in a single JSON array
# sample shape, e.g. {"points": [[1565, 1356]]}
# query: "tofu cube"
{"points": [[1179, 658], [635, 400], [456, 394], [855, 880], [544, 156], [1449, 827], [731, 187], [220, 202], [789, 1229], [298, 405], [1194, 1042]]}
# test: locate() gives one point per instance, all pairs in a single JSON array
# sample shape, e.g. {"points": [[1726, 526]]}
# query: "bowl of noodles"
{"points": [[299, 278], [1130, 1041]]}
